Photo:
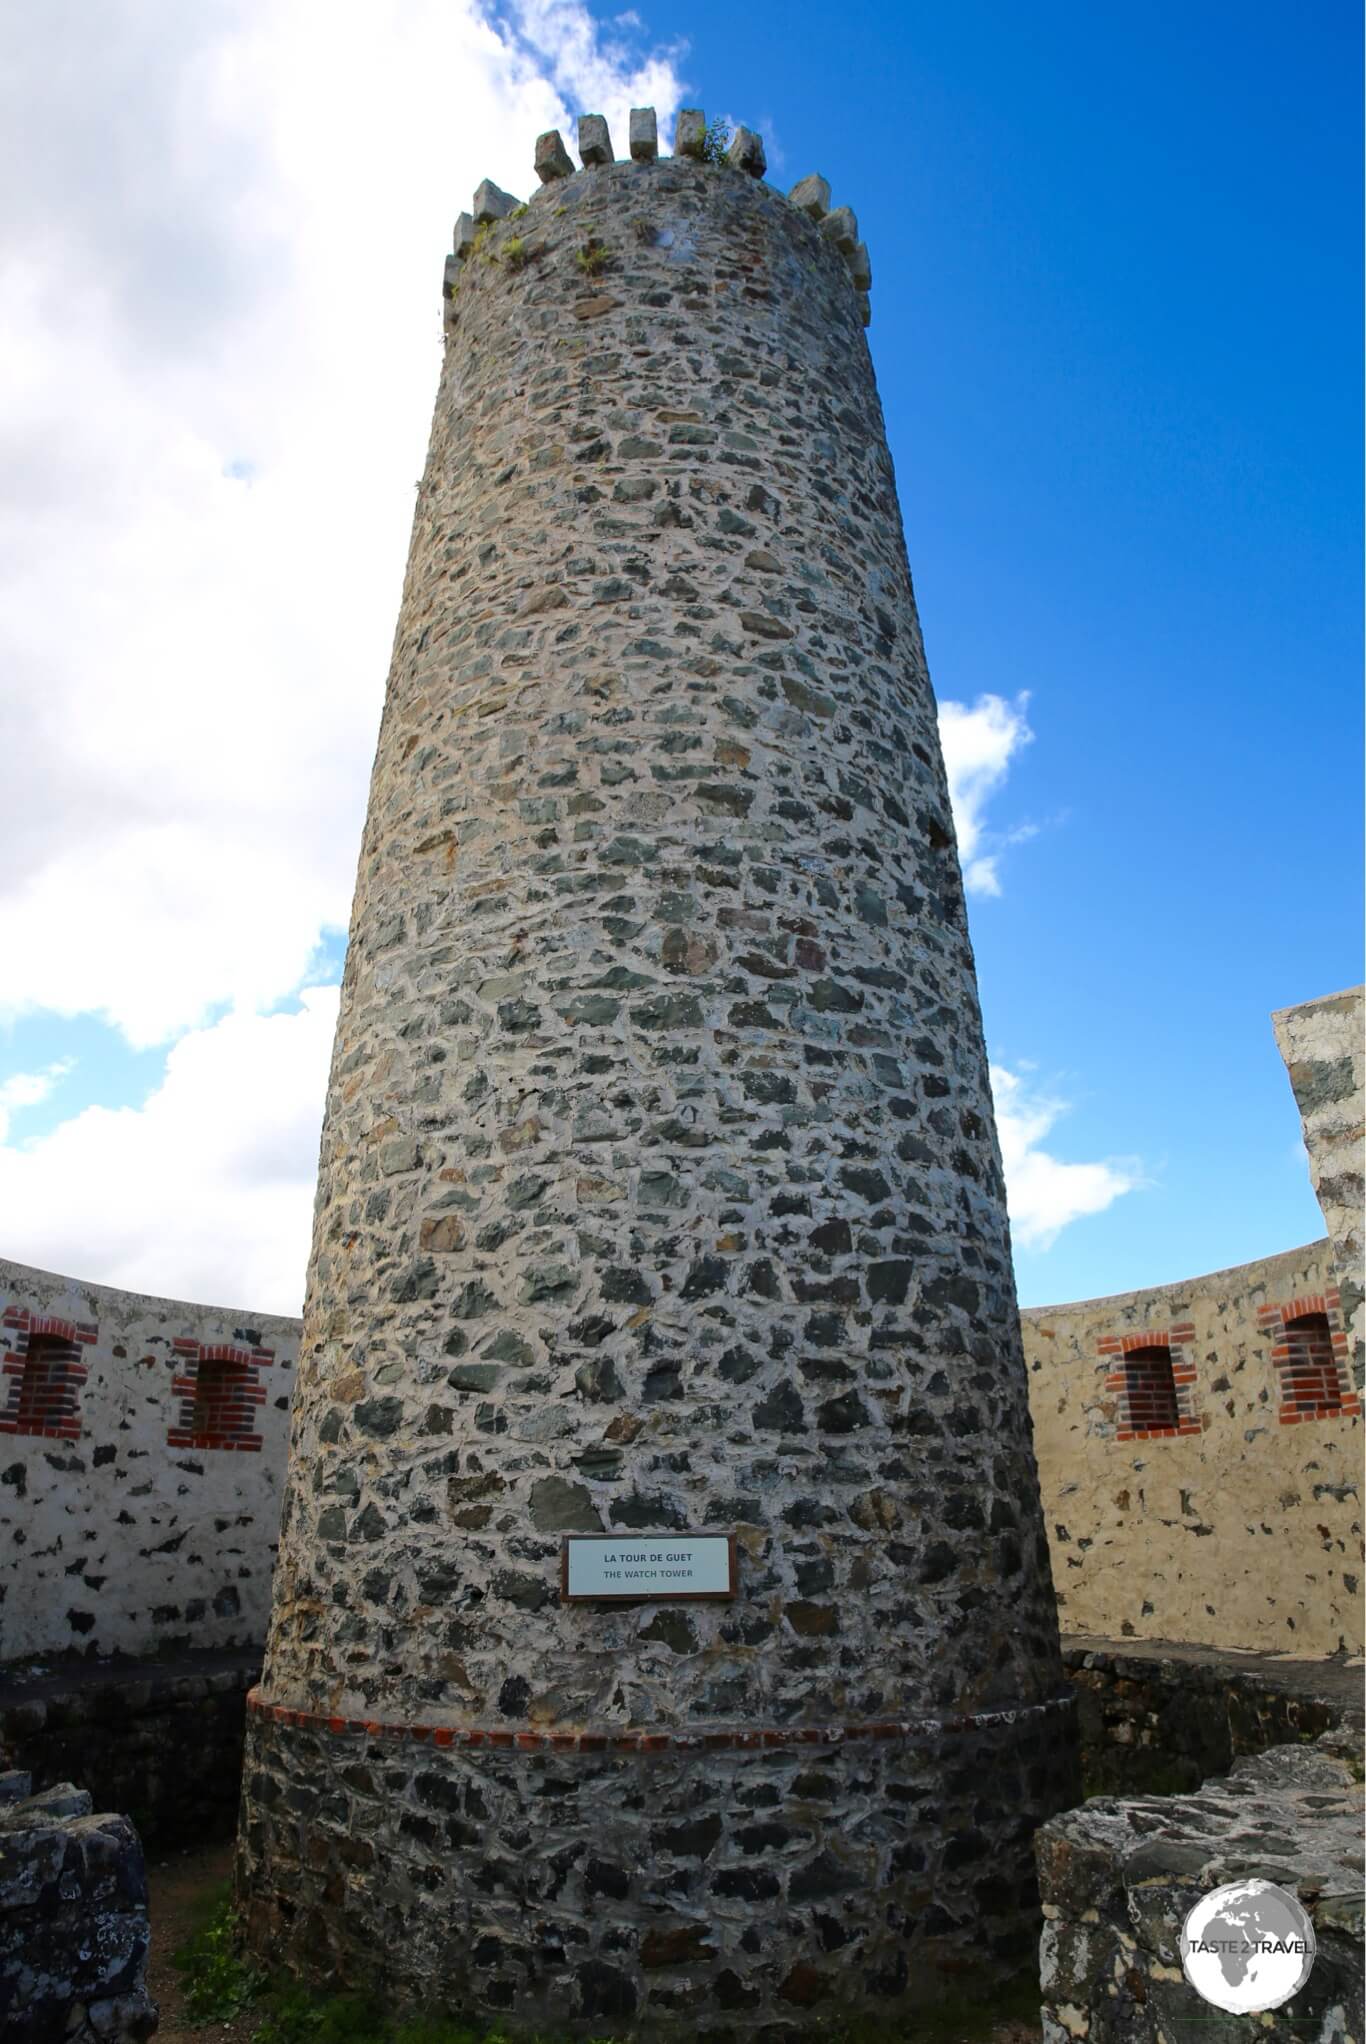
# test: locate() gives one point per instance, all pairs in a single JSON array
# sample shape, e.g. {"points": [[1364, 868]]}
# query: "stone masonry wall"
{"points": [[134, 1520], [161, 1740], [1246, 1530], [1321, 1042], [659, 1186], [1164, 1718], [682, 1887]]}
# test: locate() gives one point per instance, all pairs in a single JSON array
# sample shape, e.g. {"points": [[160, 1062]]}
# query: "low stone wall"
{"points": [[1118, 1879], [161, 1740], [1162, 1719], [142, 1445], [73, 1921]]}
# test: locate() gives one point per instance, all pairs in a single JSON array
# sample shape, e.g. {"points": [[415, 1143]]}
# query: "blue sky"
{"points": [[1117, 334], [1116, 330]]}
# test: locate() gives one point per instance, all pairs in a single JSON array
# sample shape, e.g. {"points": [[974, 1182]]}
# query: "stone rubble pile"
{"points": [[1118, 1878], [73, 1921]]}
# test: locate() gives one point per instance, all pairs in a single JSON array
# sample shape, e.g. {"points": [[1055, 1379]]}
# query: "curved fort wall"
{"points": [[125, 1529], [1246, 1529], [659, 1191], [1241, 1524]]}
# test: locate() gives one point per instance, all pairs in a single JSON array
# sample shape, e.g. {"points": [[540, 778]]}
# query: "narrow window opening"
{"points": [[1310, 1385], [1150, 1389], [218, 1407], [220, 1393], [45, 1389]]}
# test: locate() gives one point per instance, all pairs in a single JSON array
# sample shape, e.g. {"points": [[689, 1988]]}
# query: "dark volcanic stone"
{"points": [[560, 1507], [781, 1412], [679, 1944], [605, 1991]]}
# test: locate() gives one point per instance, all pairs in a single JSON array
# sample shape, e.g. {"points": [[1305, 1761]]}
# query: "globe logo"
{"points": [[1247, 1947]]}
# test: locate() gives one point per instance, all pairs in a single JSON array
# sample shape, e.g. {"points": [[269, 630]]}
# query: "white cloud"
{"points": [[220, 256], [206, 1191], [979, 745], [223, 230], [28, 1089], [594, 75], [1043, 1192]]}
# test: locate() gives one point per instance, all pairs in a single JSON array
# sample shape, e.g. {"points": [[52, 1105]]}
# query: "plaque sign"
{"points": [[597, 1568]]}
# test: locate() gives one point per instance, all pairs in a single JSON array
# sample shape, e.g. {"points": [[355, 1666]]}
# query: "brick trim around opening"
{"points": [[220, 1391], [1143, 1393], [1315, 1381], [43, 1373]]}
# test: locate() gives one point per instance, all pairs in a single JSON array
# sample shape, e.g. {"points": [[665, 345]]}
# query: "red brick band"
{"points": [[746, 1739]]}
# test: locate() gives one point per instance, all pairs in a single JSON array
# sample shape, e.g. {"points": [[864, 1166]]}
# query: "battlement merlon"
{"points": [[743, 155]]}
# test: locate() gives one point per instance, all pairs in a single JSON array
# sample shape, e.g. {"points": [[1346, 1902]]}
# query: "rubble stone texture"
{"points": [[73, 1921], [1162, 1719], [659, 1190], [160, 1738], [1118, 1879], [1321, 1042]]}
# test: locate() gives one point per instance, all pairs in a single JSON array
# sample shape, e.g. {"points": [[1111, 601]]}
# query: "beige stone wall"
{"points": [[1246, 1533]]}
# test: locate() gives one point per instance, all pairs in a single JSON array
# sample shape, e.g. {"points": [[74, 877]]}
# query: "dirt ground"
{"points": [[178, 1883]]}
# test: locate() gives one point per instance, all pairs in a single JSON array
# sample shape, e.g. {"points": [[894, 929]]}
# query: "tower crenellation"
{"points": [[558, 178]]}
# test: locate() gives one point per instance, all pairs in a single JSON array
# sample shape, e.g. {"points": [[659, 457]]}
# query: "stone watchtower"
{"points": [[659, 1192]]}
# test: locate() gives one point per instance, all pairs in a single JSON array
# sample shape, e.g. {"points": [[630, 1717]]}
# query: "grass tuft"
{"points": [[218, 1983]]}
